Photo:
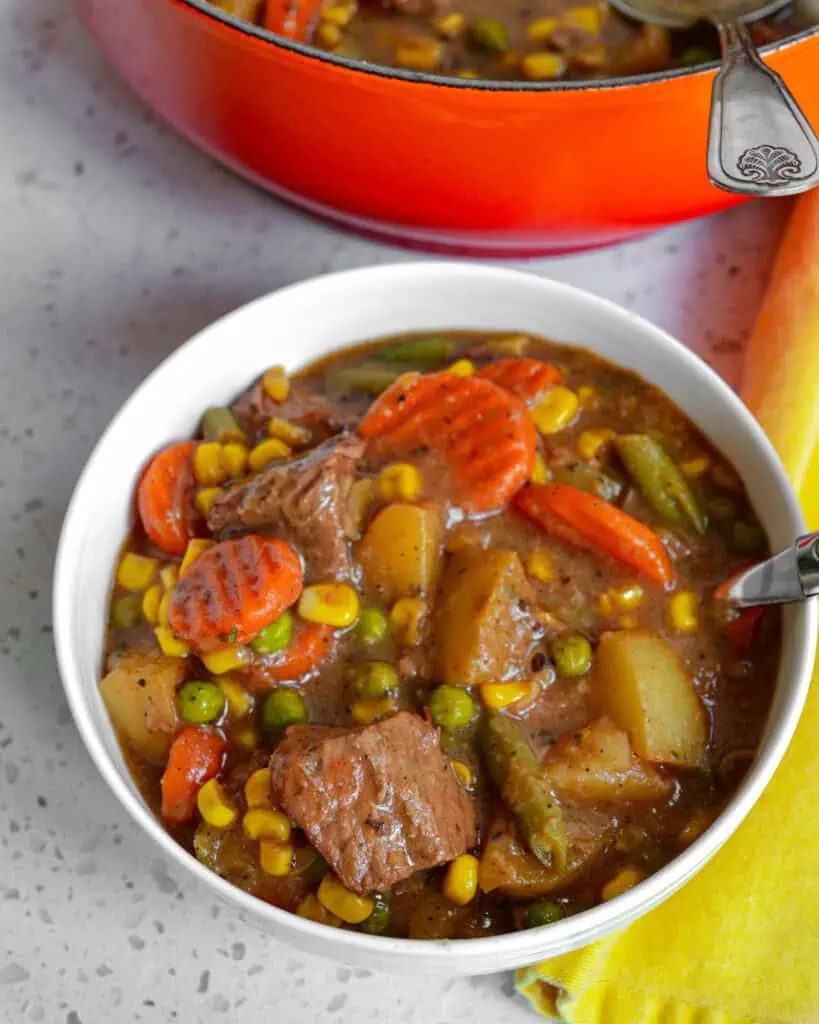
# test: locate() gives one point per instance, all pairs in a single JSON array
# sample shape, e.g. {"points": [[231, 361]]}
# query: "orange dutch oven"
{"points": [[483, 168]]}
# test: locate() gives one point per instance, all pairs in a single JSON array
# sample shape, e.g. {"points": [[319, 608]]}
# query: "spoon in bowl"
{"points": [[759, 141], [792, 575]]}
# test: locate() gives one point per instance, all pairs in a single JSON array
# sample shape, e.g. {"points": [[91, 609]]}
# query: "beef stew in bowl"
{"points": [[423, 641]]}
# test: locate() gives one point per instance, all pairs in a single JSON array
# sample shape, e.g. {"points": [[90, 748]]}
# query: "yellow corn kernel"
{"points": [[205, 497], [467, 74], [540, 474], [234, 459], [275, 858], [590, 442], [539, 565], [400, 481], [276, 383], [695, 466], [585, 18], [590, 58], [543, 67], [169, 574], [622, 882], [169, 644], [208, 467], [542, 30], [331, 604], [695, 826], [162, 611], [247, 738], [626, 597], [220, 662], [264, 823], [555, 410], [587, 395], [150, 603], [502, 695], [683, 610], [462, 368], [339, 14], [359, 502], [724, 476], [266, 451], [419, 54], [450, 25], [257, 789], [311, 909], [511, 345], [328, 34], [366, 711], [196, 547], [463, 773], [407, 620], [461, 880], [352, 909], [238, 700], [215, 806], [291, 433], [135, 572], [628, 622]]}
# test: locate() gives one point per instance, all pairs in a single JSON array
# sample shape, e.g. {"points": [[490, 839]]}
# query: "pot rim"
{"points": [[209, 10]]}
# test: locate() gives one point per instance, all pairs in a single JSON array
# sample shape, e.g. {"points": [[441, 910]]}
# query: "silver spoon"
{"points": [[759, 141], [792, 575]]}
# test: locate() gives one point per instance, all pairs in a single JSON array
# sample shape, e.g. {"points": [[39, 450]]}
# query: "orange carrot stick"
{"points": [[165, 498], [195, 756], [586, 521]]}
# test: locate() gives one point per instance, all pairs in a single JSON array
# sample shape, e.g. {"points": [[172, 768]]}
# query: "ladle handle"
{"points": [[759, 141]]}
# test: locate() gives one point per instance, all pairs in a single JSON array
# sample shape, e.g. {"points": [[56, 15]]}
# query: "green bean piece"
{"points": [[424, 351], [489, 34], [127, 611], [586, 477], [694, 55], [200, 702], [369, 380], [540, 913], [572, 655], [220, 424], [660, 482], [372, 626], [746, 538], [276, 637], [373, 680], [379, 920], [451, 707], [283, 707], [516, 772]]}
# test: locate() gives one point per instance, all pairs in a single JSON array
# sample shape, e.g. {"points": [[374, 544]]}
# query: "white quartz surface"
{"points": [[117, 241]]}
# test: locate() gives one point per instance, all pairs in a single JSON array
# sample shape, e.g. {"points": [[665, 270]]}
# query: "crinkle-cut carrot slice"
{"points": [[482, 434], [233, 590], [312, 645], [165, 498], [529, 379]]}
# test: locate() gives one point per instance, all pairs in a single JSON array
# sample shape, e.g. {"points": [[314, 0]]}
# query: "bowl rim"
{"points": [[515, 948], [209, 10]]}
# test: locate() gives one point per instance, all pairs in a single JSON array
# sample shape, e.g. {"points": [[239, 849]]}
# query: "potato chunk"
{"points": [[140, 694], [400, 552], [597, 763], [482, 634], [640, 683]]}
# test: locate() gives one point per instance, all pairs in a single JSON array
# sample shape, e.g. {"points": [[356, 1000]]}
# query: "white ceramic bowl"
{"points": [[294, 326]]}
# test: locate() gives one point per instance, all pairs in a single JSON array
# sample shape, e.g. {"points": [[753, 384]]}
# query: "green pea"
{"points": [[379, 920], [540, 913], [371, 627], [200, 702], [451, 707], [127, 611], [747, 538], [572, 655], [373, 679], [489, 34], [283, 707], [275, 637]]}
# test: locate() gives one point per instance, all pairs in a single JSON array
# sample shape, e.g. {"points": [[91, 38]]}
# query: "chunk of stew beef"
{"points": [[378, 802], [304, 500], [303, 406]]}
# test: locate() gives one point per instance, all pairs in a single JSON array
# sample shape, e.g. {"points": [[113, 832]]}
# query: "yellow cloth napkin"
{"points": [[740, 943]]}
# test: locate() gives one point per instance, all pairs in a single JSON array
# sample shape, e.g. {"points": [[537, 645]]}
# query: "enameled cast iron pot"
{"points": [[478, 167]]}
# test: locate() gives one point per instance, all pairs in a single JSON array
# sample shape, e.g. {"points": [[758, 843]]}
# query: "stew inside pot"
{"points": [[427, 640]]}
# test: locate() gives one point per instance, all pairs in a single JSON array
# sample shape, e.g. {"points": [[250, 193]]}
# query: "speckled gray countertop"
{"points": [[118, 242]]}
